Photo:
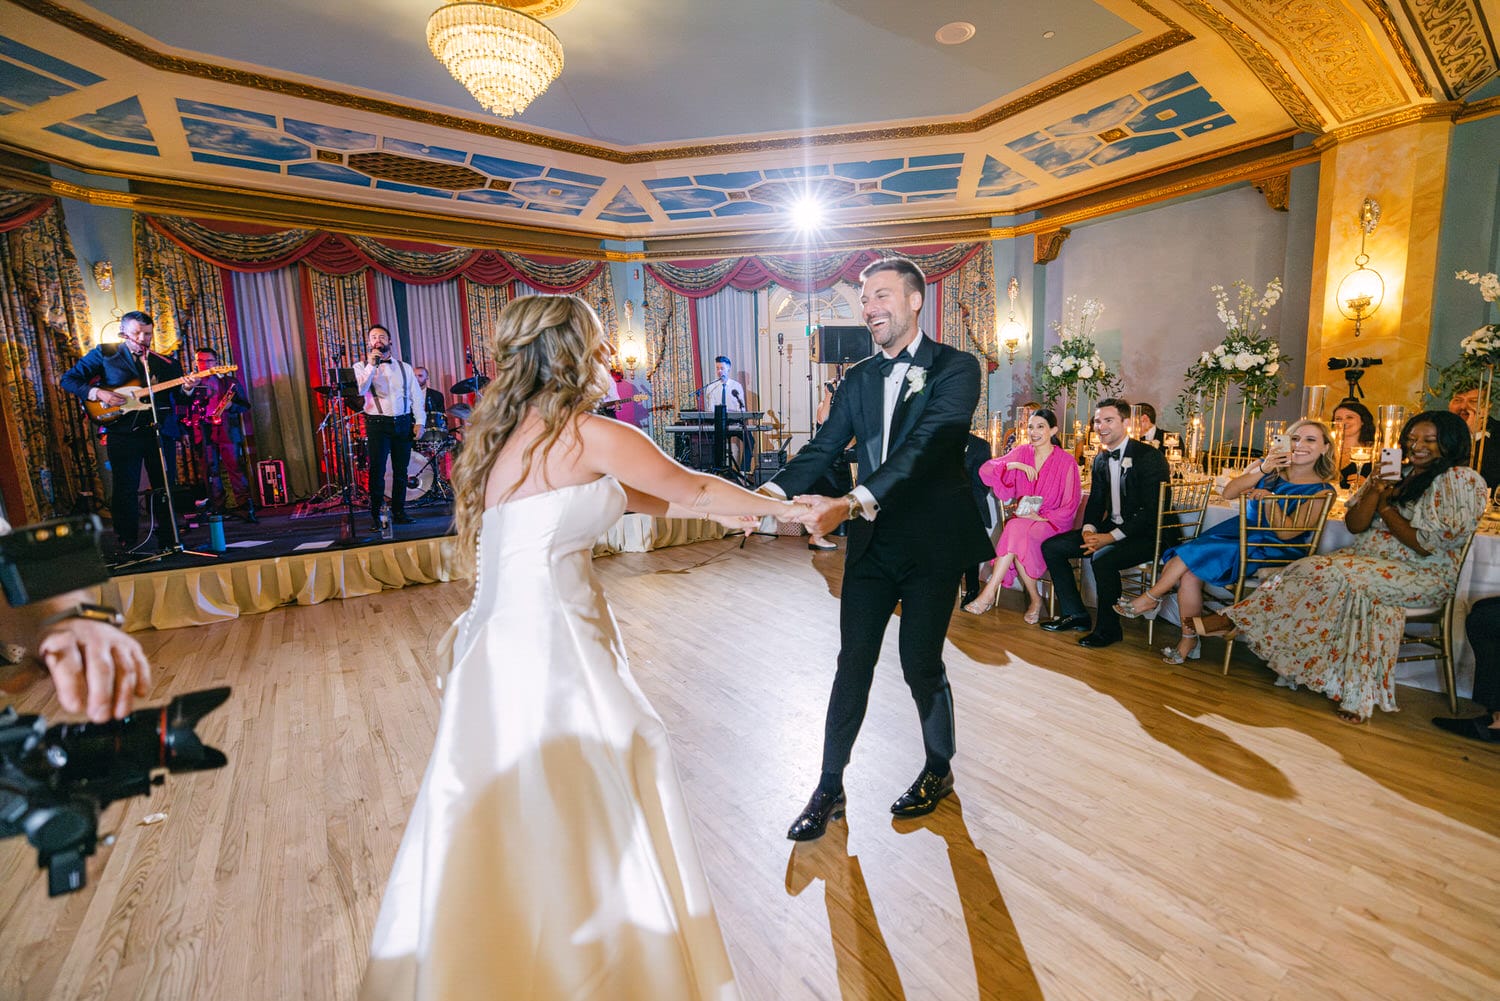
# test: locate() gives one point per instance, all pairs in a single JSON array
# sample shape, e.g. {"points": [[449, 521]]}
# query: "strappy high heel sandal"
{"points": [[1174, 655], [1129, 611]]}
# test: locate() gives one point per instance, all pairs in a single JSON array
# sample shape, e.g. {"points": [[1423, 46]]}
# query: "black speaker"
{"points": [[844, 345]]}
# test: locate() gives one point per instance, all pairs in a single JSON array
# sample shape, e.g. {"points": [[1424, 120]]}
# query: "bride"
{"points": [[550, 853]]}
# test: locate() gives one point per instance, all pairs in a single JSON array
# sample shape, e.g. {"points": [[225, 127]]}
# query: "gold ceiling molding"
{"points": [[1048, 245], [1443, 109], [1277, 190], [1267, 70], [1457, 41], [144, 54], [1333, 49], [1479, 109], [1398, 44]]}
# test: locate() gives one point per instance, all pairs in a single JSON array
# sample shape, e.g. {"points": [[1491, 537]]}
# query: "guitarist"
{"points": [[214, 411], [131, 442]]}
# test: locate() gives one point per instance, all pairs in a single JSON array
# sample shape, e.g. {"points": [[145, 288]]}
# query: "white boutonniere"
{"points": [[916, 381], [1126, 463]]}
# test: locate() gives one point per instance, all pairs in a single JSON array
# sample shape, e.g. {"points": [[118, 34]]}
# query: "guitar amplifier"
{"points": [[773, 461], [271, 474]]}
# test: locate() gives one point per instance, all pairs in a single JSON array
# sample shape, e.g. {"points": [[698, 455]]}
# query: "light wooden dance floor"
{"points": [[1122, 829]]}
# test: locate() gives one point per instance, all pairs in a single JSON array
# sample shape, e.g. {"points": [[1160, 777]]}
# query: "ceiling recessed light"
{"points": [[1048, 34], [955, 33]]}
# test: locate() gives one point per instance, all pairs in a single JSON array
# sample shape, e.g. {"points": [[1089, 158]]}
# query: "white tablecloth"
{"points": [[641, 533]]}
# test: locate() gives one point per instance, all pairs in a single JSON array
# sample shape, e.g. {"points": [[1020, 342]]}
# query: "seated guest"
{"points": [[1483, 629], [1334, 622], [976, 454], [1356, 430], [1466, 405], [1213, 556], [1146, 429], [1043, 479], [1119, 529]]}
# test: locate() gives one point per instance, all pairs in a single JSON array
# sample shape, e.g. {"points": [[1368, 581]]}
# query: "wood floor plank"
{"points": [[1121, 829]]}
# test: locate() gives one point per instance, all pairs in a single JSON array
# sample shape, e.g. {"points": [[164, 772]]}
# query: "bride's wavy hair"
{"points": [[547, 351]]}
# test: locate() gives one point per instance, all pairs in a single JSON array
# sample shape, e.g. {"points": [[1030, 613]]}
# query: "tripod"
{"points": [[166, 481]]}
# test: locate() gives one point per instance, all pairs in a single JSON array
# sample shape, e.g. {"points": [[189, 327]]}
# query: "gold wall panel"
{"points": [[1457, 41], [1265, 67]]}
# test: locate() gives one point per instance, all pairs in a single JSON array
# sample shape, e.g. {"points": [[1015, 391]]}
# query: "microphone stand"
{"points": [[166, 480]]}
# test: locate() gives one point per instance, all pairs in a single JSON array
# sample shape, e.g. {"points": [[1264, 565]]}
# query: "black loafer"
{"points": [[401, 519], [814, 818], [1068, 623], [1473, 727], [1096, 640], [924, 795]]}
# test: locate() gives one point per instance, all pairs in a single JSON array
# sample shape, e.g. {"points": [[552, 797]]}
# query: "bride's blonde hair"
{"points": [[548, 351]]}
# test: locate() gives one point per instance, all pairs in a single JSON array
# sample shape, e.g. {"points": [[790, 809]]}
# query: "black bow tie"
{"points": [[884, 365], [1116, 456]]}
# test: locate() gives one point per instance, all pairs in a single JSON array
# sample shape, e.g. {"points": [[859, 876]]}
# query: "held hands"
{"points": [[95, 667], [1095, 541], [823, 514]]}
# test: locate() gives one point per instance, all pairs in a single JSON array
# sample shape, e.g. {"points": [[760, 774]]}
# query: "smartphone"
{"points": [[1390, 463], [1281, 443], [51, 558]]}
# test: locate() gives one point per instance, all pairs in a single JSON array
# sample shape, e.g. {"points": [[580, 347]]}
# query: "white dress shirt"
{"points": [[726, 391], [1116, 492], [895, 381], [391, 390]]}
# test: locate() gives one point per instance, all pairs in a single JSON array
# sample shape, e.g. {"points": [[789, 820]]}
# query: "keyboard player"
{"points": [[724, 389]]}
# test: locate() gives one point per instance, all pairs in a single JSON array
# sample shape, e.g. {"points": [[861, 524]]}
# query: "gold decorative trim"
{"points": [[1271, 74], [1398, 43], [1479, 109], [539, 9], [1383, 123], [1276, 190], [1049, 245], [144, 54], [1457, 40]]}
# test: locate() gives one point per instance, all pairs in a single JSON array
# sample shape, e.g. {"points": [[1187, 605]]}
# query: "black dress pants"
{"points": [[1483, 629], [872, 588], [1061, 549], [388, 438], [127, 451]]}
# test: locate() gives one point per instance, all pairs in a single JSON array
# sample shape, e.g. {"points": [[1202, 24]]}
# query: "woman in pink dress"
{"points": [[1044, 481]]}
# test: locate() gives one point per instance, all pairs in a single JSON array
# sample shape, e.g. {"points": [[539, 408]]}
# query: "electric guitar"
{"points": [[139, 399]]}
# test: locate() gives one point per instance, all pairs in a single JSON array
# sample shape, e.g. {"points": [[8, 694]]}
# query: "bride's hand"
{"points": [[746, 523]]}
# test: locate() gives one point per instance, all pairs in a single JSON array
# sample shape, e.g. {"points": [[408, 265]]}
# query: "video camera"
{"points": [[55, 780]]}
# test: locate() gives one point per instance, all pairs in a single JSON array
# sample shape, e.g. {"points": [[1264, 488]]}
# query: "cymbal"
{"points": [[473, 384], [460, 411]]}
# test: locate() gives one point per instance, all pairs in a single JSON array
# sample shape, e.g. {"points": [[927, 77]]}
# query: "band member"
{"points": [[214, 410], [130, 441], [434, 398], [395, 413], [723, 389]]}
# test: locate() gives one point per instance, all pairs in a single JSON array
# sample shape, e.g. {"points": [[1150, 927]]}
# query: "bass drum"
{"points": [[419, 482]]}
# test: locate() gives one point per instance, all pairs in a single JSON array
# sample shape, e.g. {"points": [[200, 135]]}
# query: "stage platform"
{"points": [[286, 560]]}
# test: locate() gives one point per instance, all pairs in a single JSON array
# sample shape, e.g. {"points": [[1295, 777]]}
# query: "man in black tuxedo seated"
{"points": [[913, 527], [1119, 527]]}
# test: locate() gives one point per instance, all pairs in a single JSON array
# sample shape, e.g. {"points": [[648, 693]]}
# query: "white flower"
{"points": [[1206, 358], [1227, 361], [1126, 463], [1220, 350], [1056, 371], [1086, 372], [1243, 361], [1070, 363], [916, 381]]}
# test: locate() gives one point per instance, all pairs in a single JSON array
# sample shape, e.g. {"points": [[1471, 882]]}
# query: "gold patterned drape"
{"points": [[44, 329], [183, 294], [484, 303], [669, 338], [341, 312], [971, 289]]}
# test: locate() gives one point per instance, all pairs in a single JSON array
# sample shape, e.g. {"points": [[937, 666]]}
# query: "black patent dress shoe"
{"points": [[402, 519], [1473, 727], [1095, 640], [1068, 623], [924, 795], [814, 818]]}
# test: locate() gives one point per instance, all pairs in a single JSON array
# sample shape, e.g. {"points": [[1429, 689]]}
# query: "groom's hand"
{"points": [[824, 514]]}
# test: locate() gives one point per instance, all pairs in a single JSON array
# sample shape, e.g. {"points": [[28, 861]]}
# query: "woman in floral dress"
{"points": [[1334, 622]]}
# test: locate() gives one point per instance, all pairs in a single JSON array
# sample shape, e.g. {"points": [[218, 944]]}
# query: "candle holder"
{"points": [[1314, 398], [997, 432], [1391, 418]]}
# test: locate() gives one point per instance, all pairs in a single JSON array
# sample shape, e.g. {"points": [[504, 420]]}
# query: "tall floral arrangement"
{"points": [[1481, 349], [1247, 357], [1074, 366]]}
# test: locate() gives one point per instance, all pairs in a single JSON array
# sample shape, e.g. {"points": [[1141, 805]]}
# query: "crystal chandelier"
{"points": [[498, 49]]}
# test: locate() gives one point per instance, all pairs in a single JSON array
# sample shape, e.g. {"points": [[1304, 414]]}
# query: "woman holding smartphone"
{"points": [[1301, 467], [1334, 622], [1357, 430]]}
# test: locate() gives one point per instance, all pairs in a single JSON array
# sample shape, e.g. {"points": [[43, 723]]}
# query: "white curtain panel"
{"points": [[434, 316], [726, 326], [273, 370], [928, 318], [385, 309]]}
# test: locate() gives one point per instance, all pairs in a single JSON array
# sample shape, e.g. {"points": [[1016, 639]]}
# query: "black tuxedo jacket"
{"points": [[927, 515], [1139, 490], [1490, 465], [111, 365]]}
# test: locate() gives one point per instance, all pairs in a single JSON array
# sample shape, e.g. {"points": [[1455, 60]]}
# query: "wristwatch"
{"points": [[855, 507], [84, 610]]}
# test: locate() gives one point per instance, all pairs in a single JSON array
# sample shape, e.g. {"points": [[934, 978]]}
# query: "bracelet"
{"points": [[84, 610]]}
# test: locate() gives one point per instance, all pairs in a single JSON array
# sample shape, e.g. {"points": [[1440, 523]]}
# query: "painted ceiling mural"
{"points": [[1156, 95]]}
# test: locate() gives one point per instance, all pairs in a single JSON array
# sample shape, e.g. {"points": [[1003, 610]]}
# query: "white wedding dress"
{"points": [[549, 853]]}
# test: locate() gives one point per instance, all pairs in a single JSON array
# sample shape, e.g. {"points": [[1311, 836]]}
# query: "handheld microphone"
{"points": [[1334, 364]]}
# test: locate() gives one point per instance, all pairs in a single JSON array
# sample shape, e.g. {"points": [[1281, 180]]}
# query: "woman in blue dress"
{"points": [[1305, 469]]}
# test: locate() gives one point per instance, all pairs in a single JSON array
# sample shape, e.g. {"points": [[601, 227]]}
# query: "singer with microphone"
{"points": [[395, 413], [724, 389]]}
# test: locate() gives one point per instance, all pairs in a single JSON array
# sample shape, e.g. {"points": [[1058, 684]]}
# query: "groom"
{"points": [[914, 528]]}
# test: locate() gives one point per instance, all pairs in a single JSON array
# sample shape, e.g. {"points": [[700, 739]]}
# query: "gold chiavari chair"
{"points": [[1439, 641], [1179, 516]]}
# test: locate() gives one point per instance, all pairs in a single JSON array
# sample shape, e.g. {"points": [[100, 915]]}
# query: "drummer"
{"points": [[436, 405]]}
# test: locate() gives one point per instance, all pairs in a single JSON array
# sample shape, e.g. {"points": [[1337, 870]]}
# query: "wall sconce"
{"points": [[631, 345], [104, 276], [1011, 331], [1362, 290]]}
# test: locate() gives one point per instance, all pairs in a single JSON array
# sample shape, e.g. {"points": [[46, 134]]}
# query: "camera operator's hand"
{"points": [[97, 668]]}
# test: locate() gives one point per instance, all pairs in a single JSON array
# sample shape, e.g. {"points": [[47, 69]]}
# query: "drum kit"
{"points": [[343, 438]]}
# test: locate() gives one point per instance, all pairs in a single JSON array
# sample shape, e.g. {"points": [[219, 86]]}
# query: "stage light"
{"points": [[807, 213]]}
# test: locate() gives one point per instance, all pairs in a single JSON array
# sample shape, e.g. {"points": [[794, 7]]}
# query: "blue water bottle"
{"points": [[216, 533]]}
